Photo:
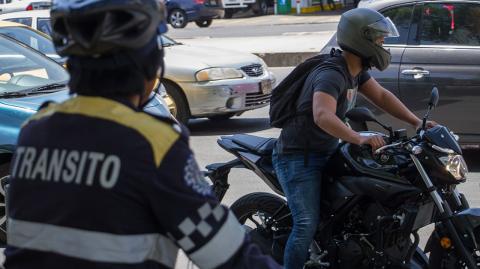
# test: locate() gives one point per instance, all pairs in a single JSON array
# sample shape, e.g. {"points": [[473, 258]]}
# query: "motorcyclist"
{"points": [[98, 183], [307, 141]]}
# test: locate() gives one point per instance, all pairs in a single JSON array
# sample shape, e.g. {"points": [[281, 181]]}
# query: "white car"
{"points": [[37, 19], [7, 6]]}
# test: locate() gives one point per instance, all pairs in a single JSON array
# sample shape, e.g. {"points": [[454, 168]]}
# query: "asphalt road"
{"points": [[192, 31]]}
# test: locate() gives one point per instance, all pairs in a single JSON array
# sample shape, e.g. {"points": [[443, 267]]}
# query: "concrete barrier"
{"points": [[283, 59]]}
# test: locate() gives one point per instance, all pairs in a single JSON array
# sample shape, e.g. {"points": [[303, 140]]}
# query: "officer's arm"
{"points": [[388, 102], [193, 218]]}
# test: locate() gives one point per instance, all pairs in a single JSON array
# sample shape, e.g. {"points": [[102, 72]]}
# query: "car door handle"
{"points": [[416, 73]]}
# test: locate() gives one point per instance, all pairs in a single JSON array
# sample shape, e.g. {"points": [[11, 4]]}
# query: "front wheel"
{"points": [[178, 18], [179, 106], [261, 7], [4, 170], [267, 218], [203, 23]]}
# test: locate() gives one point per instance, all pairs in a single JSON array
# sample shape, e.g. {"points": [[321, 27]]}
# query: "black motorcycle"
{"points": [[373, 204]]}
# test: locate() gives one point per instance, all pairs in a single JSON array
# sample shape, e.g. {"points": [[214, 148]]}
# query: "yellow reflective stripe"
{"points": [[160, 135]]}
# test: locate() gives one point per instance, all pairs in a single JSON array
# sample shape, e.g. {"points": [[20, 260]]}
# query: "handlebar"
{"points": [[388, 146]]}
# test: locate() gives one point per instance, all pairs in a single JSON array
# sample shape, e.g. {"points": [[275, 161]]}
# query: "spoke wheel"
{"points": [[178, 18], [3, 211]]}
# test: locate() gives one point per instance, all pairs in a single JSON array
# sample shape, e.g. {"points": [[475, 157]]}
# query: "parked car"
{"points": [[12, 6], [259, 7], [37, 19], [32, 38], [214, 83], [429, 52], [202, 12]]}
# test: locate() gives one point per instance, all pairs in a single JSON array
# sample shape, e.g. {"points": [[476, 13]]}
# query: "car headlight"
{"points": [[455, 165], [218, 74]]}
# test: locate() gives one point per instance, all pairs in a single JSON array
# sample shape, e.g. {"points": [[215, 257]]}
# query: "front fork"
{"points": [[447, 217]]}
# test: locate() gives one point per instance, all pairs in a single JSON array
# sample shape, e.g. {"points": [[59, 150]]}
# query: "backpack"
{"points": [[283, 101]]}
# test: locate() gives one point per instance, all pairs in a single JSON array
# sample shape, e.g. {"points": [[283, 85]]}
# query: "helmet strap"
{"points": [[366, 64]]}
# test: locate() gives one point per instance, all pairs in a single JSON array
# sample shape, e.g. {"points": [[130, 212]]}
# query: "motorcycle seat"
{"points": [[255, 144]]}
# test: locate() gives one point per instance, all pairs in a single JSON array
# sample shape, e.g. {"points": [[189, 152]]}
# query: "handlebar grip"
{"points": [[366, 147]]}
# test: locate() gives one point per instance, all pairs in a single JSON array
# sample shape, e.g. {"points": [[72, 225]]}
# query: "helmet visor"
{"points": [[382, 28]]}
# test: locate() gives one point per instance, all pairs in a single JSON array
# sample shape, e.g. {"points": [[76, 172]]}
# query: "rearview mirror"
{"points": [[434, 96], [361, 114]]}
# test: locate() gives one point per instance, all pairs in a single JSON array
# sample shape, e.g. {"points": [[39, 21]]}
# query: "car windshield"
{"points": [[24, 70], [31, 38]]}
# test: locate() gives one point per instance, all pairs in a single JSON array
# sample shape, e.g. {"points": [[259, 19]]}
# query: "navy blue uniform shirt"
{"points": [[98, 184]]}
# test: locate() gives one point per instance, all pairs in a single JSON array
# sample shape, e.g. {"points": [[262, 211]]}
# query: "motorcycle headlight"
{"points": [[455, 165], [218, 74]]}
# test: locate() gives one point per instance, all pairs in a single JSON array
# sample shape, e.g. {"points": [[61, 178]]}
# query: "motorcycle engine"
{"points": [[357, 244]]}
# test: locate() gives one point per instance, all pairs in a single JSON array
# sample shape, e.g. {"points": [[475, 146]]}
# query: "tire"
{"points": [[263, 205], [3, 218], [261, 7], [204, 23], [229, 13], [181, 110], [222, 116], [178, 18]]}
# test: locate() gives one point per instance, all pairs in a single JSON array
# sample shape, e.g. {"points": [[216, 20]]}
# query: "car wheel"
{"points": [[204, 23], [229, 13], [178, 18], [4, 168], [222, 116], [261, 7], [179, 107]]}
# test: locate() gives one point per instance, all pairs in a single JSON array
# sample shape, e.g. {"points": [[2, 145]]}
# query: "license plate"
{"points": [[266, 86]]}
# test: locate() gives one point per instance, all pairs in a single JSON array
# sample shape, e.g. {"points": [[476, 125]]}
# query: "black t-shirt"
{"points": [[334, 79]]}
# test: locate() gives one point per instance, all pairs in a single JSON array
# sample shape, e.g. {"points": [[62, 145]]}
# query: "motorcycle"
{"points": [[373, 204]]}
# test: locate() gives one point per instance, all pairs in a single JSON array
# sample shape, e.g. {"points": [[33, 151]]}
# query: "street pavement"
{"points": [[281, 40]]}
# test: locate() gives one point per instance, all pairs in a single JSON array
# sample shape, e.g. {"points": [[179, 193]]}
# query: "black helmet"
{"points": [[98, 27], [357, 32]]}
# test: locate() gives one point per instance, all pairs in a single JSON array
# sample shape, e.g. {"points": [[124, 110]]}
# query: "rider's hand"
{"points": [[375, 141], [430, 124]]}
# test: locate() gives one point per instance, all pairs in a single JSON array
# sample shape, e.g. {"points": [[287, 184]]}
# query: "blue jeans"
{"points": [[301, 186]]}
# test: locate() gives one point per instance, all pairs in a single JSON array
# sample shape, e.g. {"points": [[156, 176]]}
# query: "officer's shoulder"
{"points": [[45, 109], [170, 122]]}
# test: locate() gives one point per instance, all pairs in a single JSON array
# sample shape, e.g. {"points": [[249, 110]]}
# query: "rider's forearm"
{"points": [[330, 123], [392, 105]]}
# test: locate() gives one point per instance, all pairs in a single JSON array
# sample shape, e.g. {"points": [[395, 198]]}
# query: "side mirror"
{"points": [[434, 96], [361, 114]]}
